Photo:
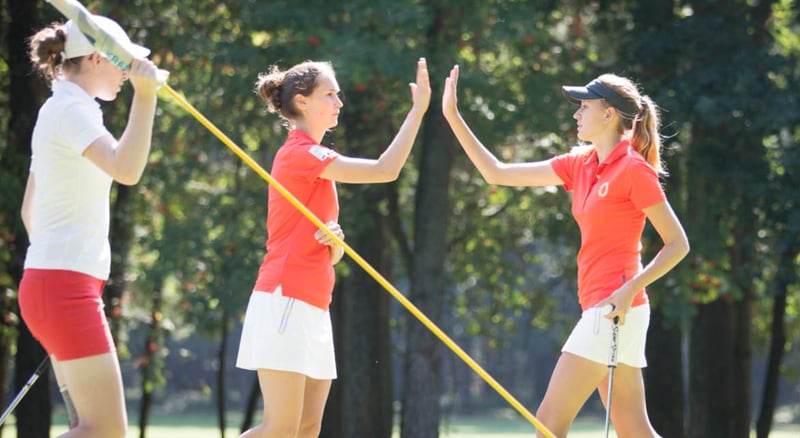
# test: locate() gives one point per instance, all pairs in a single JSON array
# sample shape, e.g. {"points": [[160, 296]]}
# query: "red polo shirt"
{"points": [[294, 259], [607, 203]]}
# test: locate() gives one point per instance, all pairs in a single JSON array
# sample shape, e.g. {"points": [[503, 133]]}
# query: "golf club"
{"points": [[612, 365], [34, 377]]}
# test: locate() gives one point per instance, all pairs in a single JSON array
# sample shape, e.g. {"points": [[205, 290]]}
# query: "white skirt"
{"points": [[591, 337], [286, 334]]}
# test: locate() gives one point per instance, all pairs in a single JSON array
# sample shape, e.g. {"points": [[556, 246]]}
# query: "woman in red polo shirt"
{"points": [[614, 180], [287, 333]]}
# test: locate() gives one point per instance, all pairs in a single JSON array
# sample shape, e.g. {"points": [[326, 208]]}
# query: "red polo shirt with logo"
{"points": [[294, 259], [607, 203]]}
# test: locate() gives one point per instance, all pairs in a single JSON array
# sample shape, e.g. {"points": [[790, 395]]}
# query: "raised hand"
{"points": [[144, 75], [421, 89], [449, 98]]}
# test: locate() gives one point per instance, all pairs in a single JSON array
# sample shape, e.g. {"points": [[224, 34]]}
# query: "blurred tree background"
{"points": [[492, 266]]}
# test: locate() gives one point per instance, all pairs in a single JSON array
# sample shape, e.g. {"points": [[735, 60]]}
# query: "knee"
{"points": [[280, 431], [546, 414], [310, 429], [634, 428], [116, 429], [630, 423], [121, 431], [552, 420]]}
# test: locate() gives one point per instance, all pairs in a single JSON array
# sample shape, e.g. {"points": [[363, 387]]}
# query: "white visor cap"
{"points": [[78, 45]]}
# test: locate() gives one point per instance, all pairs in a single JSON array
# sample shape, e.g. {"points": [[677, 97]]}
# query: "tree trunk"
{"points": [[5, 359], [769, 394], [120, 238], [422, 368], [360, 403], [33, 412], [151, 362], [250, 407], [25, 93], [712, 376], [221, 355], [720, 357], [664, 377]]}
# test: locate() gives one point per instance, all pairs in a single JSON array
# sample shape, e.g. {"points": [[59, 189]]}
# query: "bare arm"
{"points": [[538, 173], [27, 204], [125, 160], [676, 246], [387, 167]]}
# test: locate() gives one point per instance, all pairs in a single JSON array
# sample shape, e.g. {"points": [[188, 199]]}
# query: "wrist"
{"points": [[416, 112]]}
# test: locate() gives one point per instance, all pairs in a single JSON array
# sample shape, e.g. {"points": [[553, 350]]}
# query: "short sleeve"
{"points": [[646, 190], [565, 166], [308, 161], [82, 124]]}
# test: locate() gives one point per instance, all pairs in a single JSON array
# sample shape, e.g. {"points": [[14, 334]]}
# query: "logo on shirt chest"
{"points": [[602, 191]]}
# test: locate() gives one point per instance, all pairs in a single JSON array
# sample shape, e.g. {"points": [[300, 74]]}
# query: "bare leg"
{"points": [[573, 381], [95, 386], [284, 403], [628, 405], [315, 397]]}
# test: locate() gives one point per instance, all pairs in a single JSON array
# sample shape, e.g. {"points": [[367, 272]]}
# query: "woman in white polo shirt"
{"points": [[66, 214]]}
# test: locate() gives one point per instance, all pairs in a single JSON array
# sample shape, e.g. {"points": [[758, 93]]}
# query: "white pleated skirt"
{"points": [[286, 334], [591, 337]]}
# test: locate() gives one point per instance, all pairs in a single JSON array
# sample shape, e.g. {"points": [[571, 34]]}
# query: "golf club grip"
{"points": [[612, 354]]}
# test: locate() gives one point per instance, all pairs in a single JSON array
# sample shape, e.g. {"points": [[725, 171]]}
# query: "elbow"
{"points": [[392, 176], [684, 247], [129, 178], [492, 172], [492, 177], [385, 174], [491, 180]]}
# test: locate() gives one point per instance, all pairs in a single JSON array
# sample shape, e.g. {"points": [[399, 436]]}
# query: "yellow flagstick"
{"points": [[361, 262]]}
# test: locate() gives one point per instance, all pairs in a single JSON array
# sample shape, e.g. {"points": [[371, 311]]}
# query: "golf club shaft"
{"points": [[608, 400], [612, 365], [34, 377]]}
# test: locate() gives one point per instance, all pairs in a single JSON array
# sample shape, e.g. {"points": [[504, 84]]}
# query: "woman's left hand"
{"points": [[324, 239], [620, 301]]}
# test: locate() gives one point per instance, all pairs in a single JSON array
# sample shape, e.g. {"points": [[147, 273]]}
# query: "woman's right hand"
{"points": [[449, 98], [144, 76]]}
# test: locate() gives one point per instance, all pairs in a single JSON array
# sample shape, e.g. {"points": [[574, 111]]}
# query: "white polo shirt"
{"points": [[70, 206]]}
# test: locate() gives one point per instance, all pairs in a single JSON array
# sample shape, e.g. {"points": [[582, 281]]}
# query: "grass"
{"points": [[204, 426]]}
